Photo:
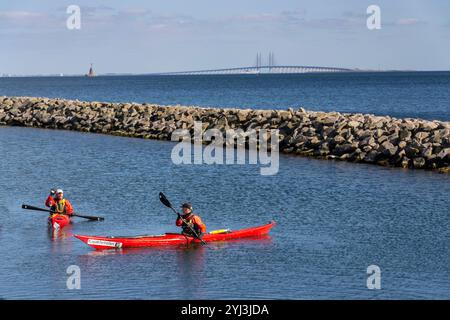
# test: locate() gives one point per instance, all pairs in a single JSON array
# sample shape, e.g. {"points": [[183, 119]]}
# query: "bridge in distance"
{"points": [[261, 70]]}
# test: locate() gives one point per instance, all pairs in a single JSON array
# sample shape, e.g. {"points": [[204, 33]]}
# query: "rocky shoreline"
{"points": [[382, 140]]}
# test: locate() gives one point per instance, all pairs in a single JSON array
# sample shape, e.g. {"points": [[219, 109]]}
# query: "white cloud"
{"points": [[20, 15], [139, 20], [409, 22], [299, 18], [28, 22]]}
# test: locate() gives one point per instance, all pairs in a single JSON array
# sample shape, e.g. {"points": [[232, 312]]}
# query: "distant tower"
{"points": [[271, 61], [91, 72], [258, 61]]}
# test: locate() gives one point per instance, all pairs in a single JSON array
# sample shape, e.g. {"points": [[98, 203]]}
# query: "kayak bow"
{"points": [[111, 242], [58, 221]]}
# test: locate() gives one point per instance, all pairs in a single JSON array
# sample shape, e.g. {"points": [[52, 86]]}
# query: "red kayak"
{"points": [[172, 238], [58, 221]]}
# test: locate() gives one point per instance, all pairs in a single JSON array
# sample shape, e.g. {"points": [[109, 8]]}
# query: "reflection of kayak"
{"points": [[58, 221], [172, 238]]}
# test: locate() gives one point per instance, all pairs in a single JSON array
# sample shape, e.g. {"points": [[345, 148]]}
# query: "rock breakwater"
{"points": [[382, 140]]}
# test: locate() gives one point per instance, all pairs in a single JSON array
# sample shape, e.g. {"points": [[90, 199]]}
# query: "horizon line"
{"points": [[174, 73]]}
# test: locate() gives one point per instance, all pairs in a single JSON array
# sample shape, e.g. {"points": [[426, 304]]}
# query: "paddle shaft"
{"points": [[168, 204], [190, 227], [28, 207]]}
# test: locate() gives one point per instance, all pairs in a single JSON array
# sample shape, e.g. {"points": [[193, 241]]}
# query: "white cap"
{"points": [[59, 191]]}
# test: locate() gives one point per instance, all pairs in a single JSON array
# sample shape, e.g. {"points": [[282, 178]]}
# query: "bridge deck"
{"points": [[261, 69]]}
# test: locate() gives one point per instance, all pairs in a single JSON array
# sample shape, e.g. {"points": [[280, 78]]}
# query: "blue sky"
{"points": [[172, 35]]}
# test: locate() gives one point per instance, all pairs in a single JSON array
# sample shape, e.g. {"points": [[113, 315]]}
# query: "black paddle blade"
{"points": [[28, 207], [164, 200], [25, 206]]}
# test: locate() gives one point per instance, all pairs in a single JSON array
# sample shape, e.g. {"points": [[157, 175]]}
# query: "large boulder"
{"points": [[354, 124], [345, 148], [421, 135], [419, 162], [387, 149], [444, 153], [428, 126]]}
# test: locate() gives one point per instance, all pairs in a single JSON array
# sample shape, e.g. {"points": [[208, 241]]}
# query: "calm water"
{"points": [[400, 94], [335, 219]]}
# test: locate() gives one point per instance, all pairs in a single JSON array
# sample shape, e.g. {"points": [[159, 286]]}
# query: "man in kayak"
{"points": [[57, 203], [192, 220]]}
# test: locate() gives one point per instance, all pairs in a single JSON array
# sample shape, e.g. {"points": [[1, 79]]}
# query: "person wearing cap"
{"points": [[57, 203], [191, 219]]}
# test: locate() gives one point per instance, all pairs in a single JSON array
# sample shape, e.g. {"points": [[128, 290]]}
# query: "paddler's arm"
{"points": [[199, 223], [69, 208], [50, 201], [179, 222]]}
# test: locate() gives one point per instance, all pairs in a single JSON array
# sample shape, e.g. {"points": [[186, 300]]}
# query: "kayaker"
{"points": [[192, 219], [57, 203]]}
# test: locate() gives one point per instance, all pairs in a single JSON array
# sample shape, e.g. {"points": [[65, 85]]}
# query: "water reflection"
{"points": [[60, 234], [191, 270], [60, 239], [216, 245]]}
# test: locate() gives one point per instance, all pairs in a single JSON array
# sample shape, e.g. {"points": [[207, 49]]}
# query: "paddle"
{"points": [[167, 203], [28, 207]]}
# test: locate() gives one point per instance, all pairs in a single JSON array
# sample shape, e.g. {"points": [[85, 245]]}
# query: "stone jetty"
{"points": [[366, 138]]}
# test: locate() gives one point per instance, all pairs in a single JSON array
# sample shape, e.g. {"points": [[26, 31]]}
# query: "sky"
{"points": [[137, 36]]}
